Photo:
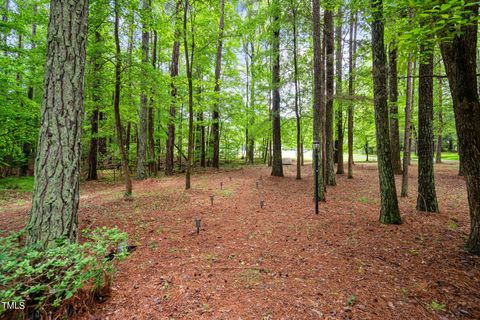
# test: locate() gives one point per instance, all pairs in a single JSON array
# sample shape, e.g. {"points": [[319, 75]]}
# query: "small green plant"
{"points": [[45, 279], [351, 300], [363, 200], [452, 225], [435, 306]]}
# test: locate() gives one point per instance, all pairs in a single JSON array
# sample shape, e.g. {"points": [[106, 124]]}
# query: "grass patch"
{"points": [[17, 183]]}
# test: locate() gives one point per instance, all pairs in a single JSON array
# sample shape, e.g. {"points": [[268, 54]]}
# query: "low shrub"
{"points": [[39, 283]]}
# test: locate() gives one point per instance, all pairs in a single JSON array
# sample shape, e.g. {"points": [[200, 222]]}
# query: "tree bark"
{"points": [[460, 57], [216, 112], [394, 132], [93, 151], [116, 104], [189, 65], [297, 91], [427, 198], [170, 145], [57, 166], [277, 167], [329, 44], [338, 89], [318, 89], [143, 128], [406, 137], [438, 157], [151, 115], [352, 48], [389, 213]]}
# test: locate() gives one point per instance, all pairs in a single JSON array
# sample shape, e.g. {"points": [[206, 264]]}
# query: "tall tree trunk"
{"points": [[394, 132], [93, 151], [116, 104], [389, 212], [34, 45], [142, 132], [151, 115], [297, 93], [438, 157], [338, 89], [329, 44], [216, 112], [352, 48], [251, 113], [427, 198], [189, 65], [460, 57], [170, 145], [406, 137], [57, 165], [277, 167], [318, 88]]}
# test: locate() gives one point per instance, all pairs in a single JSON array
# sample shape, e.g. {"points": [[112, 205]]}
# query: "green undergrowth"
{"points": [[17, 183], [42, 281]]}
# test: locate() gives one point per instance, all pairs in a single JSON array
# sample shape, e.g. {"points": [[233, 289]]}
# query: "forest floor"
{"points": [[282, 261]]}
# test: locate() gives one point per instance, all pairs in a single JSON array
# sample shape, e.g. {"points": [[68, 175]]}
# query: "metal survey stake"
{"points": [[221, 185], [256, 183], [262, 203], [211, 199], [198, 223]]}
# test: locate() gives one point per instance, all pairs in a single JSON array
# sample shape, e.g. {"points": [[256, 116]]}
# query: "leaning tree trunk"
{"points": [[389, 212], [394, 132], [216, 112], [170, 145], [427, 198], [277, 168], [338, 89], [317, 90], [460, 57], [57, 165], [406, 137], [329, 38]]}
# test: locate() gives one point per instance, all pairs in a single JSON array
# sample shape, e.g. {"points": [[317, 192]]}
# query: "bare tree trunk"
{"points": [[329, 44], [394, 132], [142, 132], [318, 89], [338, 88], [216, 114], [116, 104], [438, 157], [93, 151], [407, 138], [189, 65], [460, 57], [170, 145], [351, 89], [427, 198], [389, 213], [277, 167], [34, 45], [57, 166], [297, 91], [151, 116]]}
